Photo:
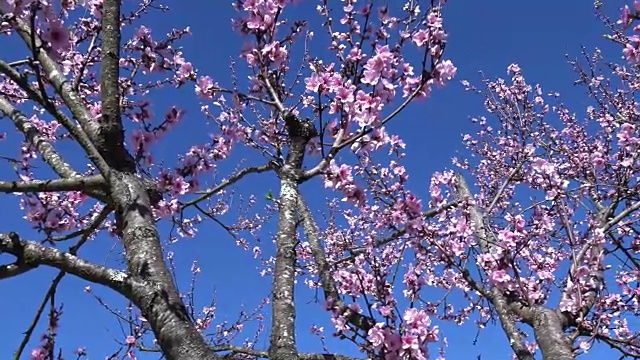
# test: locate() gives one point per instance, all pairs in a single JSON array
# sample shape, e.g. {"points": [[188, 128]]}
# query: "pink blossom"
{"points": [[378, 65], [204, 87], [58, 36], [421, 37], [275, 52], [446, 70], [376, 336], [130, 340]]}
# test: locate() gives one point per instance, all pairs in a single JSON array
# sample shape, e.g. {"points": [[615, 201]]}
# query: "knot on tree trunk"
{"points": [[299, 128], [300, 133]]}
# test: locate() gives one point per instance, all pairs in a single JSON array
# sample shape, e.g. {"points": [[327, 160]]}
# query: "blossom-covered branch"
{"points": [[332, 298], [63, 88], [487, 246]]}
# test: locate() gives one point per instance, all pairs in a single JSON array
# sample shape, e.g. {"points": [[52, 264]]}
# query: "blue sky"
{"points": [[485, 36]]}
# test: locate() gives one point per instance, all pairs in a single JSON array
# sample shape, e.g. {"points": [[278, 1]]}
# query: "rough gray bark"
{"points": [[160, 304], [283, 336], [548, 328], [283, 341], [549, 334]]}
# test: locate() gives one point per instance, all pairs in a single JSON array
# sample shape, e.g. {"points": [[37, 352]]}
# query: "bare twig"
{"points": [[233, 179], [397, 234], [102, 216], [36, 319], [86, 233]]}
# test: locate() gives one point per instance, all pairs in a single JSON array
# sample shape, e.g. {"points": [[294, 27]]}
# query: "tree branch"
{"points": [[282, 345], [14, 269], [35, 138], [36, 318], [95, 224], [33, 254], [19, 267], [233, 350], [426, 215], [85, 184], [43, 146], [591, 253], [339, 144], [162, 306], [109, 134], [265, 355], [624, 213], [497, 298], [164, 311], [283, 338], [63, 88], [232, 180], [328, 285], [548, 330], [54, 284], [503, 187], [37, 95]]}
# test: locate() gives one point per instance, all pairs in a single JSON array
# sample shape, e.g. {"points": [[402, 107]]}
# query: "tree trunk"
{"points": [[283, 337], [550, 336], [159, 301]]}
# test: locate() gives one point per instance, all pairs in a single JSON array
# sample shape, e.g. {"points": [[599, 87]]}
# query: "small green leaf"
{"points": [[270, 196]]}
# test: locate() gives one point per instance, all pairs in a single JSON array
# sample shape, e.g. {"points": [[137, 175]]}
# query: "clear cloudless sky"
{"points": [[483, 35]]}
